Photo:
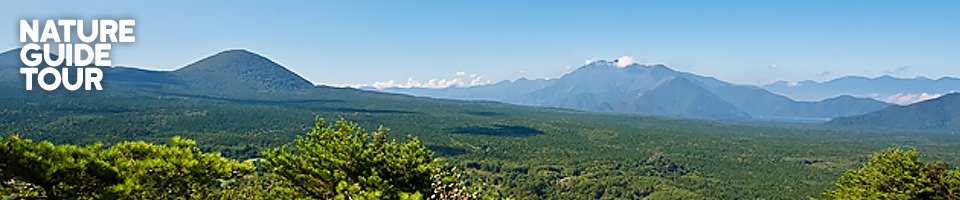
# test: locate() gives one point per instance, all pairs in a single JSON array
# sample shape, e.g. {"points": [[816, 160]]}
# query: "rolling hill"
{"points": [[942, 113]]}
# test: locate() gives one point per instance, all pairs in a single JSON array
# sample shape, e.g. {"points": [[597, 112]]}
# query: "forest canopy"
{"points": [[342, 161]]}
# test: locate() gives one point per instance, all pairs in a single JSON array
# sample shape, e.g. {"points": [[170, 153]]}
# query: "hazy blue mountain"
{"points": [[645, 89], [603, 86], [677, 96], [826, 109], [879, 88], [942, 113], [601, 79], [762, 104], [240, 70]]}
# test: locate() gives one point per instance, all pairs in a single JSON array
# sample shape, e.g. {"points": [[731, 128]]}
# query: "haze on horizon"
{"points": [[348, 43]]}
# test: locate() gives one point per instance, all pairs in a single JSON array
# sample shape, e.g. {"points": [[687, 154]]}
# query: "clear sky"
{"points": [[363, 42]]}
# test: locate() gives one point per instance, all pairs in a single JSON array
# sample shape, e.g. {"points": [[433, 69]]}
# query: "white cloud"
{"points": [[567, 69], [461, 73], [587, 62], [909, 98], [773, 66], [794, 84], [476, 81], [387, 84], [624, 61], [434, 83]]}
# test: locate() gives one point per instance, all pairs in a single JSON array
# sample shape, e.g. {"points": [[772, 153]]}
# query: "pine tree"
{"points": [[129, 170], [344, 162]]}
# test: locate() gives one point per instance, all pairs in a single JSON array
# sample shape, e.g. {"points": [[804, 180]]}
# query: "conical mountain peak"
{"points": [[243, 70], [231, 56]]}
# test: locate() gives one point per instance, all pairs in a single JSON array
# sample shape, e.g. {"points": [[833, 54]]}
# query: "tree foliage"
{"points": [[344, 162], [898, 174], [64, 171], [160, 172], [129, 170]]}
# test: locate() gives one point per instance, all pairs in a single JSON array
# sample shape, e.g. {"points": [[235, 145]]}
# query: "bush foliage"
{"points": [[330, 162], [344, 162], [898, 174], [129, 170]]}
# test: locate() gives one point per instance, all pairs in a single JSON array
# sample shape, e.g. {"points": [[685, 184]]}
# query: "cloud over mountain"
{"points": [[461, 80], [885, 88]]}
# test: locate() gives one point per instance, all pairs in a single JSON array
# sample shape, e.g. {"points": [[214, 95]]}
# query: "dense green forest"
{"points": [[521, 152], [342, 161]]}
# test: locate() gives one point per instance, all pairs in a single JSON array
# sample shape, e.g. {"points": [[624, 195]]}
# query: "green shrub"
{"points": [[898, 174], [129, 170], [344, 162]]}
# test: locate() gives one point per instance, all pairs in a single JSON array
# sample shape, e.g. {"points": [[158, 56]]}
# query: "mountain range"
{"points": [[655, 90], [884, 88], [942, 113], [598, 86]]}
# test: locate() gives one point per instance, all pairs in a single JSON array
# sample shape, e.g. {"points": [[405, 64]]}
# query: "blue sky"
{"points": [[363, 42]]}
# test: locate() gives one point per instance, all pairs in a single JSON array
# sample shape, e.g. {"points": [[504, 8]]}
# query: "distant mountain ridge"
{"points": [[657, 90], [942, 113], [884, 88]]}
